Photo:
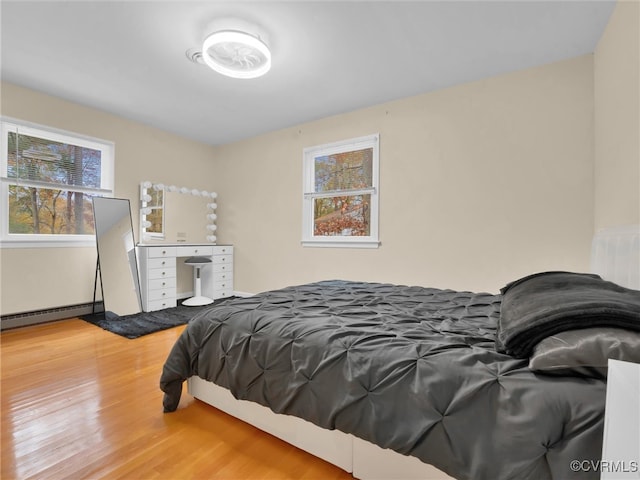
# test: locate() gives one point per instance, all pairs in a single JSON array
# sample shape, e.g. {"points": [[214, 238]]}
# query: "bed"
{"points": [[393, 381]]}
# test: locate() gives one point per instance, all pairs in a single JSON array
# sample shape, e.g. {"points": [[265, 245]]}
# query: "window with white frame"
{"points": [[48, 179], [340, 194]]}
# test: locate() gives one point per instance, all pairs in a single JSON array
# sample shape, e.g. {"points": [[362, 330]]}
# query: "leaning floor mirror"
{"points": [[117, 256]]}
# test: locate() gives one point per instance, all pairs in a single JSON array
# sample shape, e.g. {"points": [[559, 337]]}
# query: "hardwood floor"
{"points": [[80, 402]]}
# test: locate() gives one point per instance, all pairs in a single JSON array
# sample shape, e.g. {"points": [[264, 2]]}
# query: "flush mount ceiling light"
{"points": [[236, 54]]}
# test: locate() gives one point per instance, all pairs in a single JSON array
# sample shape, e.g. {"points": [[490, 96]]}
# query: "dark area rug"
{"points": [[144, 323]]}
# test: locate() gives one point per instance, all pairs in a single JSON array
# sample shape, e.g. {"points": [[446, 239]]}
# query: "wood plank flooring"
{"points": [[79, 402]]}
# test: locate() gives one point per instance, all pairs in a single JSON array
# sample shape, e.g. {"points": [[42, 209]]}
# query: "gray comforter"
{"points": [[408, 368]]}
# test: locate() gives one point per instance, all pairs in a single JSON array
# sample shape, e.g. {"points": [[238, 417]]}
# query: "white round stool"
{"points": [[197, 300]]}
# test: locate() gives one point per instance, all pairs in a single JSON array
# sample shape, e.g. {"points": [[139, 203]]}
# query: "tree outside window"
{"points": [[48, 181], [341, 194]]}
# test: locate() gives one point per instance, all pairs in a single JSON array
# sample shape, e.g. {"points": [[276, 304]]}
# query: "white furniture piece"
{"points": [[198, 263], [158, 267], [362, 459]]}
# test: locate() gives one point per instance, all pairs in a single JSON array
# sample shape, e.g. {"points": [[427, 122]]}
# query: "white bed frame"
{"points": [[615, 256], [362, 459]]}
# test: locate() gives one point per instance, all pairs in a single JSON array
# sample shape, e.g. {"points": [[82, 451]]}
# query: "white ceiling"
{"points": [[329, 57]]}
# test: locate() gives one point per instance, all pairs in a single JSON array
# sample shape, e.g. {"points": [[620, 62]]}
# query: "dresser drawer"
{"points": [[162, 304], [223, 292], [160, 283], [195, 251], [155, 273], [222, 267], [161, 263], [218, 259], [155, 252], [161, 294], [223, 250], [222, 285], [223, 276]]}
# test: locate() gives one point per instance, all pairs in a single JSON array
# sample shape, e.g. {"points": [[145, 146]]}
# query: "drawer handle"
{"points": [[164, 283], [196, 250], [163, 262], [224, 250], [164, 252], [164, 273], [164, 294]]}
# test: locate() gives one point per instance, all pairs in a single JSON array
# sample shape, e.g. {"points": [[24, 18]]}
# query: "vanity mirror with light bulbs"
{"points": [[177, 223], [177, 214]]}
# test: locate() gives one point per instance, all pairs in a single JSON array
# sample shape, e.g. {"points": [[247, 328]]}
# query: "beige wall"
{"points": [[65, 276], [479, 183], [617, 119]]}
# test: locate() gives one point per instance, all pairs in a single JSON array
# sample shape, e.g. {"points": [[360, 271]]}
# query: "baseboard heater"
{"points": [[35, 317], [24, 319]]}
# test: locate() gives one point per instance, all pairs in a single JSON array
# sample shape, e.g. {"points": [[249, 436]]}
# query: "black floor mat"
{"points": [[144, 323]]}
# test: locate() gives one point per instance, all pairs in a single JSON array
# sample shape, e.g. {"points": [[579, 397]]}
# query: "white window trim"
{"points": [[308, 194], [12, 240]]}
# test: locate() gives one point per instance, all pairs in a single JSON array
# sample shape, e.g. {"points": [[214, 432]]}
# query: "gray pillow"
{"points": [[585, 351]]}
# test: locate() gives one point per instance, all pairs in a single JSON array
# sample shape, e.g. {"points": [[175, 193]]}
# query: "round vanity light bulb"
{"points": [[212, 206], [204, 193], [195, 193], [212, 216], [211, 228], [172, 188], [146, 184], [146, 211], [184, 190], [211, 238], [213, 195], [158, 186], [146, 224], [146, 197]]}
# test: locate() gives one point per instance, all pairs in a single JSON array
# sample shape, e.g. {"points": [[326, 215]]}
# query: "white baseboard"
{"points": [[243, 294]]}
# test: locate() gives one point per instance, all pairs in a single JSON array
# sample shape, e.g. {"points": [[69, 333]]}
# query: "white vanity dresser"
{"points": [[158, 271]]}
